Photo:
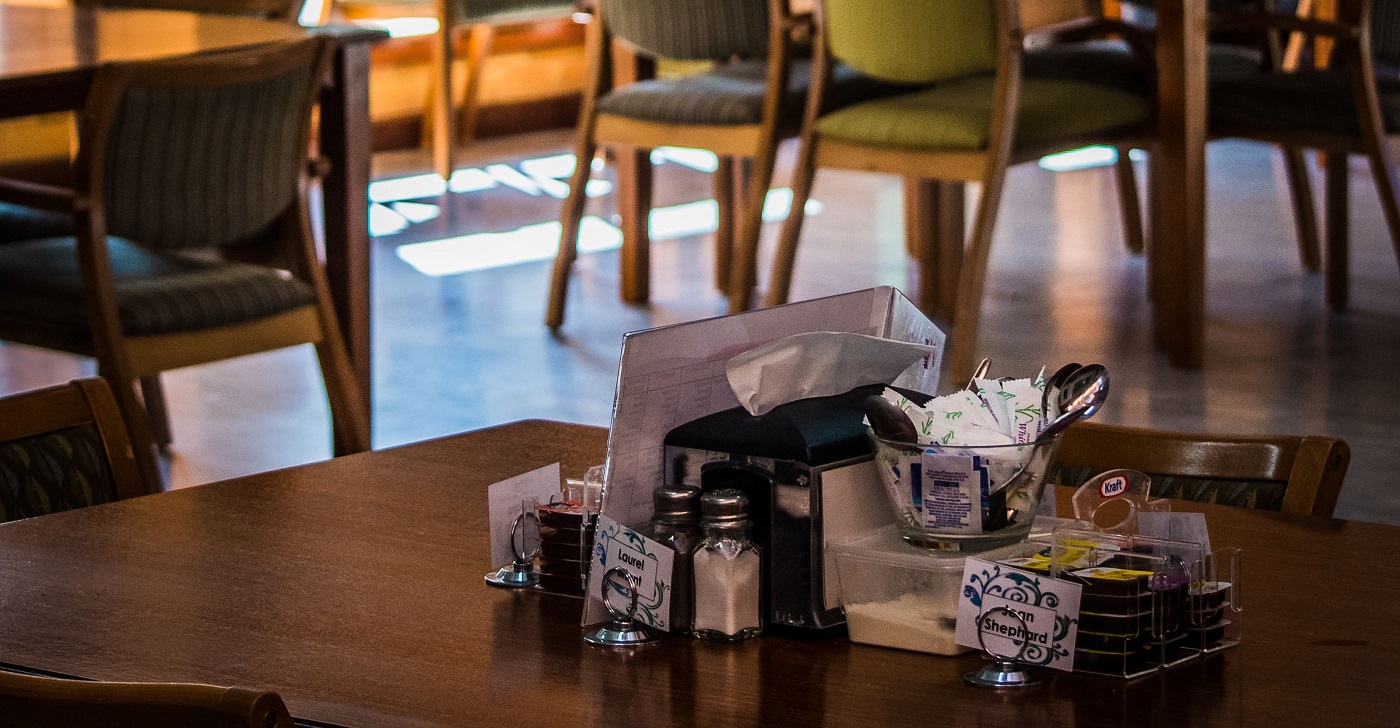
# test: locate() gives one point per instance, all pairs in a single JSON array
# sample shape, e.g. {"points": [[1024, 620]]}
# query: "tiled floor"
{"points": [[456, 352]]}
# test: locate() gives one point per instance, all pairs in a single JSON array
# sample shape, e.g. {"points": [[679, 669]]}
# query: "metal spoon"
{"points": [[889, 421], [1052, 384], [1086, 387], [1061, 422], [978, 373]]}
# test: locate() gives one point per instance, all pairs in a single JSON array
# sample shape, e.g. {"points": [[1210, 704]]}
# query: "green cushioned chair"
{"points": [[193, 240], [1299, 475], [61, 448], [976, 116], [1345, 110], [739, 108]]}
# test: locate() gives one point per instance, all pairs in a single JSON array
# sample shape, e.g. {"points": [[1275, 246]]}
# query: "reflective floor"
{"points": [[460, 344]]}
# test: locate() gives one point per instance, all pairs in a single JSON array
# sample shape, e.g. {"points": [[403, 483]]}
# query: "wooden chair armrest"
{"points": [[42, 196], [1282, 21], [1077, 27]]}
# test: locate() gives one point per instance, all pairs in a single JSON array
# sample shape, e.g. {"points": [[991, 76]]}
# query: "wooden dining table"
{"points": [[49, 53], [354, 588]]}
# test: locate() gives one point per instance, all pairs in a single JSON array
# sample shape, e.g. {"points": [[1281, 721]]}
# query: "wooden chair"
{"points": [[64, 447], [1300, 475], [447, 123], [1121, 55], [978, 117], [45, 702], [740, 109], [194, 239], [1346, 109]]}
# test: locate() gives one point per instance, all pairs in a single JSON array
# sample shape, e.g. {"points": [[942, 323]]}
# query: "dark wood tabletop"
{"points": [[48, 56], [354, 588]]}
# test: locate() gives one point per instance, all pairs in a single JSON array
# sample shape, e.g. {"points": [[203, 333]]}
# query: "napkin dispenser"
{"points": [[808, 471]]}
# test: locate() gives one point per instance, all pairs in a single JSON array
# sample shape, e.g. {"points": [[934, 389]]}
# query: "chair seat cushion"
{"points": [[1104, 62], [956, 114], [732, 94], [156, 293], [18, 222], [1111, 63], [1318, 102]]}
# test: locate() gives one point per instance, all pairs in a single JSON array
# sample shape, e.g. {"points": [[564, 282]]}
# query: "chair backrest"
{"points": [[273, 9], [690, 29], [913, 41], [44, 702], [200, 152], [1300, 475], [478, 10], [1385, 30], [61, 448]]}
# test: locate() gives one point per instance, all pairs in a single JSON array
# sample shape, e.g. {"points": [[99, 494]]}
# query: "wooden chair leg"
{"points": [[479, 43], [934, 224], [153, 395], [1384, 174], [441, 107], [744, 278], [1128, 202], [967, 317], [1337, 219], [785, 257], [569, 219], [1304, 212], [634, 205], [917, 238], [724, 232], [349, 419], [138, 428]]}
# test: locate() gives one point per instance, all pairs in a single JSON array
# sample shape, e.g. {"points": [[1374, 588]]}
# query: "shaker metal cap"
{"points": [[725, 505], [676, 503]]}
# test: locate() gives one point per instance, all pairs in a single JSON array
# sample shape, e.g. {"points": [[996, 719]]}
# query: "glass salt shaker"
{"points": [[727, 570], [676, 525]]}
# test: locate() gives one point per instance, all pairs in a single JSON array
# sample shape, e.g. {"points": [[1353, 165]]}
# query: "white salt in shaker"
{"points": [[727, 570]]}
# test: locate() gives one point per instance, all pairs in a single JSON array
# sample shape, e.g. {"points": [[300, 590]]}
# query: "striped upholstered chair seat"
{"points": [[18, 222], [157, 292], [732, 93]]}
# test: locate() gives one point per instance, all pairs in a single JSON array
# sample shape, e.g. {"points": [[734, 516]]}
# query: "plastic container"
{"points": [[902, 596], [963, 498]]}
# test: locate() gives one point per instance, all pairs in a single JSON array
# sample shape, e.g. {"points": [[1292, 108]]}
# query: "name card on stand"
{"points": [[647, 560], [1042, 614]]}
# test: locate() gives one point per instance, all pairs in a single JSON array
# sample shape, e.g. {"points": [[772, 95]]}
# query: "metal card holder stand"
{"points": [[521, 574], [1007, 670], [623, 631]]}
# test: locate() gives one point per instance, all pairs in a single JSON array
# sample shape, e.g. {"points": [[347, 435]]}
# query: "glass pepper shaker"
{"points": [[676, 524], [727, 570]]}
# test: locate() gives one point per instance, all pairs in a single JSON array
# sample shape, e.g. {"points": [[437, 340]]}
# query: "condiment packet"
{"points": [[959, 419]]}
